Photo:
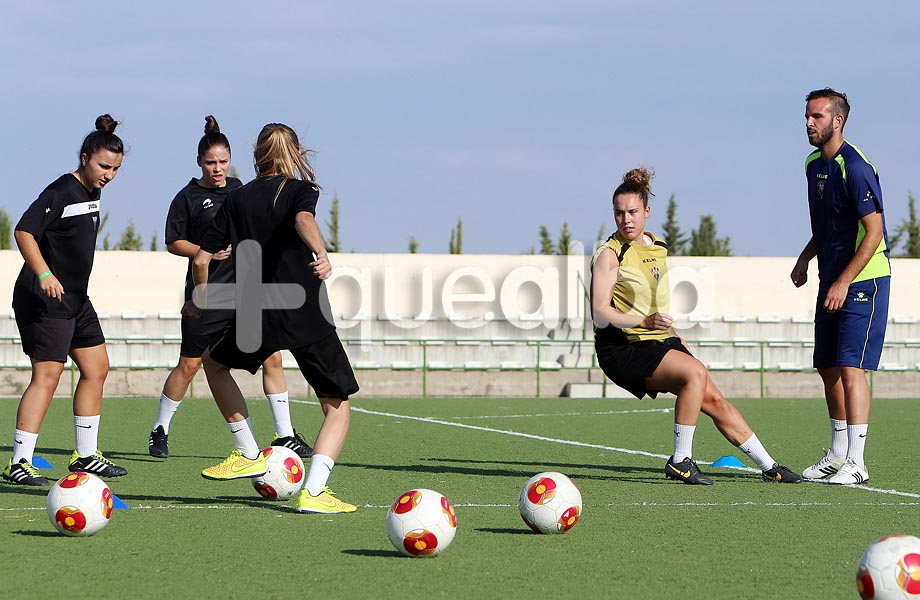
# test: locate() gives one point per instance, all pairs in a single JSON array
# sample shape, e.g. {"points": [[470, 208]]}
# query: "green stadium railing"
{"points": [[545, 352]]}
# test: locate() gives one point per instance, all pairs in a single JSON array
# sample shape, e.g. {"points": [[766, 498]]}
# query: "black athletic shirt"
{"points": [[64, 220], [190, 215], [252, 213]]}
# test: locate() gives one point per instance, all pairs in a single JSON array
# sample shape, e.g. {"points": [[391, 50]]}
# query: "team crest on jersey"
{"points": [[656, 273], [821, 188], [207, 203]]}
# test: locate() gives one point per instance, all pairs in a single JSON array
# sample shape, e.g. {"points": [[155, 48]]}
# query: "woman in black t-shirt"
{"points": [[190, 215], [57, 239], [281, 263]]}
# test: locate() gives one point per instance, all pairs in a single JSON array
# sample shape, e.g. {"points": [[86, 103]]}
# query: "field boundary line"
{"points": [[542, 438], [570, 414]]}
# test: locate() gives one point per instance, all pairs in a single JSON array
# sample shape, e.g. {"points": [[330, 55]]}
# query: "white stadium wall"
{"points": [[486, 304]]}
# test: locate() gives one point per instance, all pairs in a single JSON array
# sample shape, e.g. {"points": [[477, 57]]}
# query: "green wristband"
{"points": [[43, 275]]}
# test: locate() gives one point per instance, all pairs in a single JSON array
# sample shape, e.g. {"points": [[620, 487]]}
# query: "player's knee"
{"points": [[697, 375], [211, 366], [273, 362], [46, 378], [95, 373], [188, 368]]}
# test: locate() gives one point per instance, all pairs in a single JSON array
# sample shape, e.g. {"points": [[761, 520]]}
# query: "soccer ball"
{"points": [[79, 504], [421, 523], [284, 476], [890, 569], [550, 503]]}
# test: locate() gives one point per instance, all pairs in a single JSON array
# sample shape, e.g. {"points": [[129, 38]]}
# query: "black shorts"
{"points": [[49, 338], [629, 365], [197, 334], [323, 363]]}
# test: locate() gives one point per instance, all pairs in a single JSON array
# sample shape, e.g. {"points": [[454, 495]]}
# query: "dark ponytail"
{"points": [[103, 138], [212, 137]]}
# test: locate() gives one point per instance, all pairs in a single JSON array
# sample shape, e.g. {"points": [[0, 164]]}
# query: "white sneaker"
{"points": [[850, 473], [828, 465]]}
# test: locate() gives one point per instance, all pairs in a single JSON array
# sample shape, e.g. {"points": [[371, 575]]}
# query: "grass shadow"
{"points": [[505, 530], [45, 534], [375, 553]]}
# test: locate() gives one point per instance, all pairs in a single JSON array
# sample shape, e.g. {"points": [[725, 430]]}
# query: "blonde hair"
{"points": [[278, 152]]}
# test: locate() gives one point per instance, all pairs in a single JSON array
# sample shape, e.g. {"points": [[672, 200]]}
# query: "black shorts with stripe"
{"points": [[323, 363], [629, 365], [198, 334], [52, 339]]}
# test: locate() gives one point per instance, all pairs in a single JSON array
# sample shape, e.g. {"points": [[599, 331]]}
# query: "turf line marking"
{"points": [[541, 438], [570, 414]]}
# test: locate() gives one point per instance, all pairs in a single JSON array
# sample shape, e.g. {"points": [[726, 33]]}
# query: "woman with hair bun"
{"points": [[271, 223], [56, 236], [637, 347], [190, 215]]}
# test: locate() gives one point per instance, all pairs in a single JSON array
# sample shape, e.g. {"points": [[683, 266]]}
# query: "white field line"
{"points": [[464, 506], [580, 444], [568, 414]]}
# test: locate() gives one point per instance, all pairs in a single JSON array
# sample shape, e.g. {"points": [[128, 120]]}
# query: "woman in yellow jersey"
{"points": [[636, 344]]}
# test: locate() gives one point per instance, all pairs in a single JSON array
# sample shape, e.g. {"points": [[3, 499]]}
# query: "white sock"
{"points": [[856, 435], [839, 438], [86, 435], [754, 449], [281, 413], [23, 445], [243, 438], [320, 469], [683, 442], [168, 408]]}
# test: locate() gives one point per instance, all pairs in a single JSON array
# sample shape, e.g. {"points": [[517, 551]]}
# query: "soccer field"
{"points": [[640, 537]]}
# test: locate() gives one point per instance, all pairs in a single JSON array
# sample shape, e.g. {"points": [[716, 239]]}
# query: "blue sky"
{"points": [[506, 114]]}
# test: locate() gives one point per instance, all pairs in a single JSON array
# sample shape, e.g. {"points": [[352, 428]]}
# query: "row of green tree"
{"points": [[703, 241]]}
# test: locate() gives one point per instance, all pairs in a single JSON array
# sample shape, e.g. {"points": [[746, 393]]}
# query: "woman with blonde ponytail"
{"points": [[190, 214], [636, 344], [271, 224]]}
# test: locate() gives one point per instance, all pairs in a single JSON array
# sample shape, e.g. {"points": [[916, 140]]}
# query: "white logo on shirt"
{"points": [[207, 203], [81, 208]]}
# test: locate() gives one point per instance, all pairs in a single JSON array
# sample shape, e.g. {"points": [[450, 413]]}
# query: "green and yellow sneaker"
{"points": [[96, 464], [325, 503], [236, 466], [23, 473]]}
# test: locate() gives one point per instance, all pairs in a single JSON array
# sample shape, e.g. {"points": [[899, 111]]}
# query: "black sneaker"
{"points": [[295, 443], [96, 465], [23, 473], [781, 474], [686, 471], [159, 443]]}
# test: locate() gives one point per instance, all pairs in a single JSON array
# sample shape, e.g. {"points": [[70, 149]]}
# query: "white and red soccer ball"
{"points": [[421, 523], [284, 475], [79, 504], [550, 503], [890, 569]]}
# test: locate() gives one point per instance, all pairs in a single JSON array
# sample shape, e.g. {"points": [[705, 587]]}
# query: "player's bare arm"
{"points": [[603, 279], [308, 230], [799, 273], [200, 264], [32, 254]]}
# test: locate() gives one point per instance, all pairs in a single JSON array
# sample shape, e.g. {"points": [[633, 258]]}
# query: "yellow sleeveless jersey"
{"points": [[641, 288]]}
